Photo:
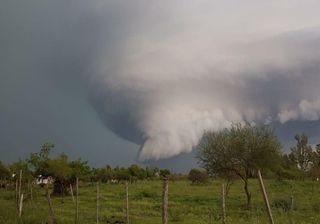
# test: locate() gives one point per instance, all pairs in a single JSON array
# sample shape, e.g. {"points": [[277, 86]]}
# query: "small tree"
{"points": [[80, 169], [240, 150], [60, 169], [38, 162], [302, 152], [21, 165], [288, 168], [104, 174], [4, 172], [136, 172], [165, 173], [198, 176]]}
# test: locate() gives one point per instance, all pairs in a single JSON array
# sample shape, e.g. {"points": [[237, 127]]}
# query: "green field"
{"points": [[187, 203]]}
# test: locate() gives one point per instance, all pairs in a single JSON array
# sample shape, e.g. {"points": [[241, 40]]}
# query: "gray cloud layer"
{"points": [[159, 74]]}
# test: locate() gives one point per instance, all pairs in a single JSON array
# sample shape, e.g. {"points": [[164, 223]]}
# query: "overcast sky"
{"points": [[118, 82]]}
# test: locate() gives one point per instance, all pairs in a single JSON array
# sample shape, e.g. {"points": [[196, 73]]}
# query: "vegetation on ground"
{"points": [[188, 203]]}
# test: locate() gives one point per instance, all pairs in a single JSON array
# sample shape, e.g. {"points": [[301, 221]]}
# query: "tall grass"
{"points": [[188, 203]]}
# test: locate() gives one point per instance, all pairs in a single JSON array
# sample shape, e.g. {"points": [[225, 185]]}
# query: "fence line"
{"points": [[28, 195]]}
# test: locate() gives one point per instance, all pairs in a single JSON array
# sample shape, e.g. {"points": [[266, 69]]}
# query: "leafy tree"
{"points": [[241, 150], [122, 174], [302, 152], [104, 174], [164, 172], [80, 169], [315, 170], [288, 168], [21, 165], [38, 162], [4, 171], [136, 172], [150, 172], [198, 176], [60, 169], [316, 156]]}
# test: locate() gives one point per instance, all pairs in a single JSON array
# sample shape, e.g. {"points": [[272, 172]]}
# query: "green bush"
{"points": [[198, 176], [282, 203]]}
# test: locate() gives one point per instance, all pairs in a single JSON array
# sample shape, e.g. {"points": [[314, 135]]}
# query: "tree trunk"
{"points": [[248, 194]]}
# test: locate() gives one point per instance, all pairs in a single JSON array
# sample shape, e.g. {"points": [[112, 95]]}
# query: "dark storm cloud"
{"points": [[47, 51]]}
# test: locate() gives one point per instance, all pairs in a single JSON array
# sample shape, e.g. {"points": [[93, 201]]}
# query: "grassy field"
{"points": [[187, 203]]}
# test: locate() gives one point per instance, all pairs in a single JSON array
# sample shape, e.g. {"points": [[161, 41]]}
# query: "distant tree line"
{"points": [[64, 171]]}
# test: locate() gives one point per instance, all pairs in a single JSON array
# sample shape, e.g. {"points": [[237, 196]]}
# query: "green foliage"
{"points": [[21, 165], [315, 172], [188, 204], [303, 160], [282, 203], [151, 172], [38, 162], [104, 174], [59, 167], [4, 171], [60, 170], [131, 173], [146, 194], [302, 153], [198, 176], [137, 172], [165, 173], [80, 169], [123, 174], [240, 150]]}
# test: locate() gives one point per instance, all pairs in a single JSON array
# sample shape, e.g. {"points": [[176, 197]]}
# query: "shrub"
{"points": [[164, 173], [281, 203], [198, 176]]}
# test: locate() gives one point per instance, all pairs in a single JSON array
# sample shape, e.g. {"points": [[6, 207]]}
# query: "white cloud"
{"points": [[183, 67]]}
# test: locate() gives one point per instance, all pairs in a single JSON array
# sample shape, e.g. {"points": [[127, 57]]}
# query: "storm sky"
{"points": [[117, 82]]}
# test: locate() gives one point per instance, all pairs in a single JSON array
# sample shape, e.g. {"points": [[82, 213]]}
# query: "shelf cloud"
{"points": [[186, 69]]}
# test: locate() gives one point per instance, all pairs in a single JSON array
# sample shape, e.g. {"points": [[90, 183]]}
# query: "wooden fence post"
{"points": [[20, 205], [165, 200], [17, 196], [265, 198], [127, 202], [292, 199], [71, 191], [52, 219], [97, 202], [223, 204], [77, 201], [20, 179], [18, 191]]}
